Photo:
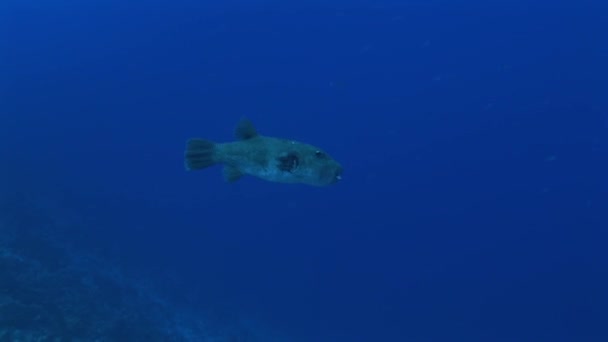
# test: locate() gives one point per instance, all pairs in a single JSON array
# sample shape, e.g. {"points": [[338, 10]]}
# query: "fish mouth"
{"points": [[329, 175], [338, 175]]}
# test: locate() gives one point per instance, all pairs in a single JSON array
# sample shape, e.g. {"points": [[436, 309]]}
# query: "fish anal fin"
{"points": [[232, 174], [245, 130]]}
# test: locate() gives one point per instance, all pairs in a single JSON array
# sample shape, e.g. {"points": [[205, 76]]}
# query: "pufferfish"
{"points": [[269, 158]]}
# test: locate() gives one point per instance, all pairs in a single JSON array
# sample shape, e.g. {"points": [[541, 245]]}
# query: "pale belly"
{"points": [[268, 173]]}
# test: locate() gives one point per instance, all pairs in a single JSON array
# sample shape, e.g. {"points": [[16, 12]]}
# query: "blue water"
{"points": [[473, 135]]}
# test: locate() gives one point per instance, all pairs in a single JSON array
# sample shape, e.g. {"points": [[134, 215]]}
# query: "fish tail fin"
{"points": [[199, 154]]}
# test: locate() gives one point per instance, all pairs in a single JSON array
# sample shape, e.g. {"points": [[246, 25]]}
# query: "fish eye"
{"points": [[319, 154]]}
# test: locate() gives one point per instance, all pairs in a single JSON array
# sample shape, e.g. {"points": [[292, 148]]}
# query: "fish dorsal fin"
{"points": [[245, 130]]}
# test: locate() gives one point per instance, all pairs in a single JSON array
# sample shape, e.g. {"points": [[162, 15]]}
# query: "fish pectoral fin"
{"points": [[232, 174]]}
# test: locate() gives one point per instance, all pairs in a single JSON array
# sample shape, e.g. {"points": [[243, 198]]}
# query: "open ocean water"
{"points": [[473, 143]]}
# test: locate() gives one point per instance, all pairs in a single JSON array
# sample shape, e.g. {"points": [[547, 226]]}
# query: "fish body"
{"points": [[269, 158]]}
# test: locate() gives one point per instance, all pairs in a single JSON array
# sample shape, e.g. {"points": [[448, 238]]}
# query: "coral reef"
{"points": [[49, 292]]}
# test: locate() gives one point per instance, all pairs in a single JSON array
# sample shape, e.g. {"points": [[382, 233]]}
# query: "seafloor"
{"points": [[50, 291]]}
